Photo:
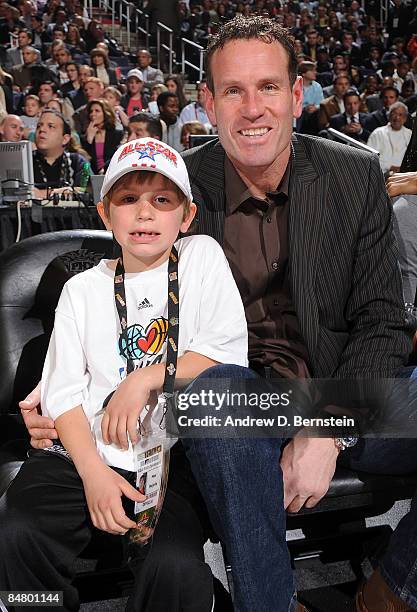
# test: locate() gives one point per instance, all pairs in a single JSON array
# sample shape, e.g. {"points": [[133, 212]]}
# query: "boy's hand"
{"points": [[103, 489], [123, 410], [41, 428]]}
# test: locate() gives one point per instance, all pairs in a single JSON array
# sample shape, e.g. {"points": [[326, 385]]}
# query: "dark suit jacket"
{"points": [[376, 119], [343, 268], [111, 142], [328, 108], [339, 121]]}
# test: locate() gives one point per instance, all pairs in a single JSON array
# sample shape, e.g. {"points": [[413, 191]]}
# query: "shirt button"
{"points": [[268, 220], [275, 265]]}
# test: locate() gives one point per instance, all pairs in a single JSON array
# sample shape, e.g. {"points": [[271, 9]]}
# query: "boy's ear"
{"points": [[188, 218], [103, 216]]}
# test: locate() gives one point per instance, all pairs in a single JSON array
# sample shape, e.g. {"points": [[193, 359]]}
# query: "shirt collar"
{"points": [[237, 192]]}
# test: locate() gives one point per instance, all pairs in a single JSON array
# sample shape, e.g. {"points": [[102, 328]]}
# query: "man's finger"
{"points": [[296, 504]]}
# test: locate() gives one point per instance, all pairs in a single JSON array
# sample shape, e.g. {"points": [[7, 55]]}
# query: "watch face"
{"points": [[349, 441]]}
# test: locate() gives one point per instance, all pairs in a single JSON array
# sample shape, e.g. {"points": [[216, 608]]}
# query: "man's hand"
{"points": [[41, 429], [308, 465], [103, 489], [123, 410], [353, 128], [403, 183]]}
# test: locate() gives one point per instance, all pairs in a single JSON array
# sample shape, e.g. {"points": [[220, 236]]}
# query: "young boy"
{"points": [[99, 330], [32, 107]]}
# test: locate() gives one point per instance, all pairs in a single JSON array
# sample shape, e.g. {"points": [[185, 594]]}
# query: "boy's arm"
{"points": [[103, 486], [130, 397]]}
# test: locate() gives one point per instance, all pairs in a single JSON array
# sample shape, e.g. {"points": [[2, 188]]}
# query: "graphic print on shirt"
{"points": [[144, 344]]}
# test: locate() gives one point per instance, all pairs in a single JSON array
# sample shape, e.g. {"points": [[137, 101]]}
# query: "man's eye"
{"points": [[232, 91], [270, 87]]}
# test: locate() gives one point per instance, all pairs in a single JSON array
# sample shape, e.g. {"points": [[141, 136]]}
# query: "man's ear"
{"points": [[103, 216], [188, 218], [65, 139], [209, 106]]}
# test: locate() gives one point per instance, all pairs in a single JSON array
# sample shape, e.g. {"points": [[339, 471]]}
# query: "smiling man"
{"points": [[314, 235], [306, 225]]}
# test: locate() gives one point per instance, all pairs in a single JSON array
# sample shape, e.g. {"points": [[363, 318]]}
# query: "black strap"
{"points": [[173, 317]]}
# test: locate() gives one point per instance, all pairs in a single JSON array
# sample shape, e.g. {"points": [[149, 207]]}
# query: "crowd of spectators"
{"points": [[54, 57]]}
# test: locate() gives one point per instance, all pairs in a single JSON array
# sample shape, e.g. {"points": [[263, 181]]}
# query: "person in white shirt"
{"points": [[115, 332], [391, 140], [196, 110], [168, 106]]}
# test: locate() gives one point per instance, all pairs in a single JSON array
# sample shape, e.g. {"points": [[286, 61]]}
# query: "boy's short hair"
{"points": [[32, 97]]}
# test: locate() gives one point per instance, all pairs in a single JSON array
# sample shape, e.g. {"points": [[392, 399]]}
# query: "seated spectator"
{"points": [[53, 166], [151, 76], [65, 108], [39, 35], [156, 90], [134, 100], [168, 106], [22, 75], [77, 96], [373, 61], [369, 88], [47, 91], [14, 55], [378, 118], [334, 105], [100, 65], [196, 111], [105, 47], [93, 90], [351, 122], [192, 127], [74, 42], [407, 90], [391, 140], [6, 95], [175, 85], [32, 107], [72, 83], [101, 137], [11, 129], [113, 96], [144, 125], [63, 57], [312, 97], [52, 60]]}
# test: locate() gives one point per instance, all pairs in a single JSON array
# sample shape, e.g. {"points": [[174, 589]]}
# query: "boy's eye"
{"points": [[128, 199], [161, 200]]}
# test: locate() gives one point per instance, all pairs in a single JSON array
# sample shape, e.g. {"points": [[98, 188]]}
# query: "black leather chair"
{"points": [[32, 274]]}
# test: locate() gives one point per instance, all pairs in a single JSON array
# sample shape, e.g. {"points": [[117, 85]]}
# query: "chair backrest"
{"points": [[32, 274]]}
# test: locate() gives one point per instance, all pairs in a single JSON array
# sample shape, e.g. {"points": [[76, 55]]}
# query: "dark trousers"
{"points": [[45, 525]]}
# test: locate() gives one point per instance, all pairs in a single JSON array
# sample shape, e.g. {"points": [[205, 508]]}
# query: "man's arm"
{"points": [[402, 183]]}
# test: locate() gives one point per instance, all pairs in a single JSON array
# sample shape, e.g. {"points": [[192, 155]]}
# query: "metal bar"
{"points": [[148, 34], [171, 52], [158, 46], [128, 24], [182, 55], [113, 29], [200, 76]]}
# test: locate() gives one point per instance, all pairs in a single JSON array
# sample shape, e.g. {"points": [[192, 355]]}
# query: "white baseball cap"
{"points": [[147, 154], [135, 72]]}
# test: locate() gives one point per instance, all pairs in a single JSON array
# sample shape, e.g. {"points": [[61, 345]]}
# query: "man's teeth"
{"points": [[254, 132]]}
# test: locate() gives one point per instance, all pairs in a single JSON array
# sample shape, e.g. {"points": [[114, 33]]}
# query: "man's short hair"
{"points": [[66, 128], [251, 28], [350, 93], [51, 84], [164, 96], [390, 88], [153, 125], [305, 66], [341, 75]]}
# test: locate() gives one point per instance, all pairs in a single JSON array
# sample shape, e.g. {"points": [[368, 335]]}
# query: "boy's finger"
{"points": [[105, 428], [121, 432], [131, 492], [121, 519], [132, 428], [112, 429]]}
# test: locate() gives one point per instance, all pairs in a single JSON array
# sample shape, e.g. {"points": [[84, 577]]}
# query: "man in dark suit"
{"points": [[351, 122], [306, 225]]}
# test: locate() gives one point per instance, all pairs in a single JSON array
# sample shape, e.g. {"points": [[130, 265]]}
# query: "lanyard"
{"points": [[173, 317]]}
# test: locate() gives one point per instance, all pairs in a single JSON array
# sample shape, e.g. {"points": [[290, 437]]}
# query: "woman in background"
{"points": [[101, 137]]}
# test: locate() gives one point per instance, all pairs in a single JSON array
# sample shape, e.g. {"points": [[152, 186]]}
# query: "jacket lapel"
{"points": [[209, 194], [308, 187]]}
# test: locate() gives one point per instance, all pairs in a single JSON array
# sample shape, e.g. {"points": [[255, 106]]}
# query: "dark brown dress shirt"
{"points": [[256, 245]]}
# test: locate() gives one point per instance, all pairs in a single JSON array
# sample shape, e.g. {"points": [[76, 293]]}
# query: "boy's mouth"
{"points": [[141, 234]]}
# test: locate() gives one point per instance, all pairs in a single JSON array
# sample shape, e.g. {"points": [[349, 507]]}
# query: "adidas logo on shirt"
{"points": [[144, 304]]}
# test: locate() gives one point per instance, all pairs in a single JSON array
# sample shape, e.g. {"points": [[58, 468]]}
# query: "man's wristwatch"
{"points": [[344, 443]]}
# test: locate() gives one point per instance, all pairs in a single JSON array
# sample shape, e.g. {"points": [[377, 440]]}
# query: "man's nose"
{"points": [[252, 105]]}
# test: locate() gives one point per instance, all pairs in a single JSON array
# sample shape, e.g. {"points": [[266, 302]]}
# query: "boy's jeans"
{"points": [[241, 482]]}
